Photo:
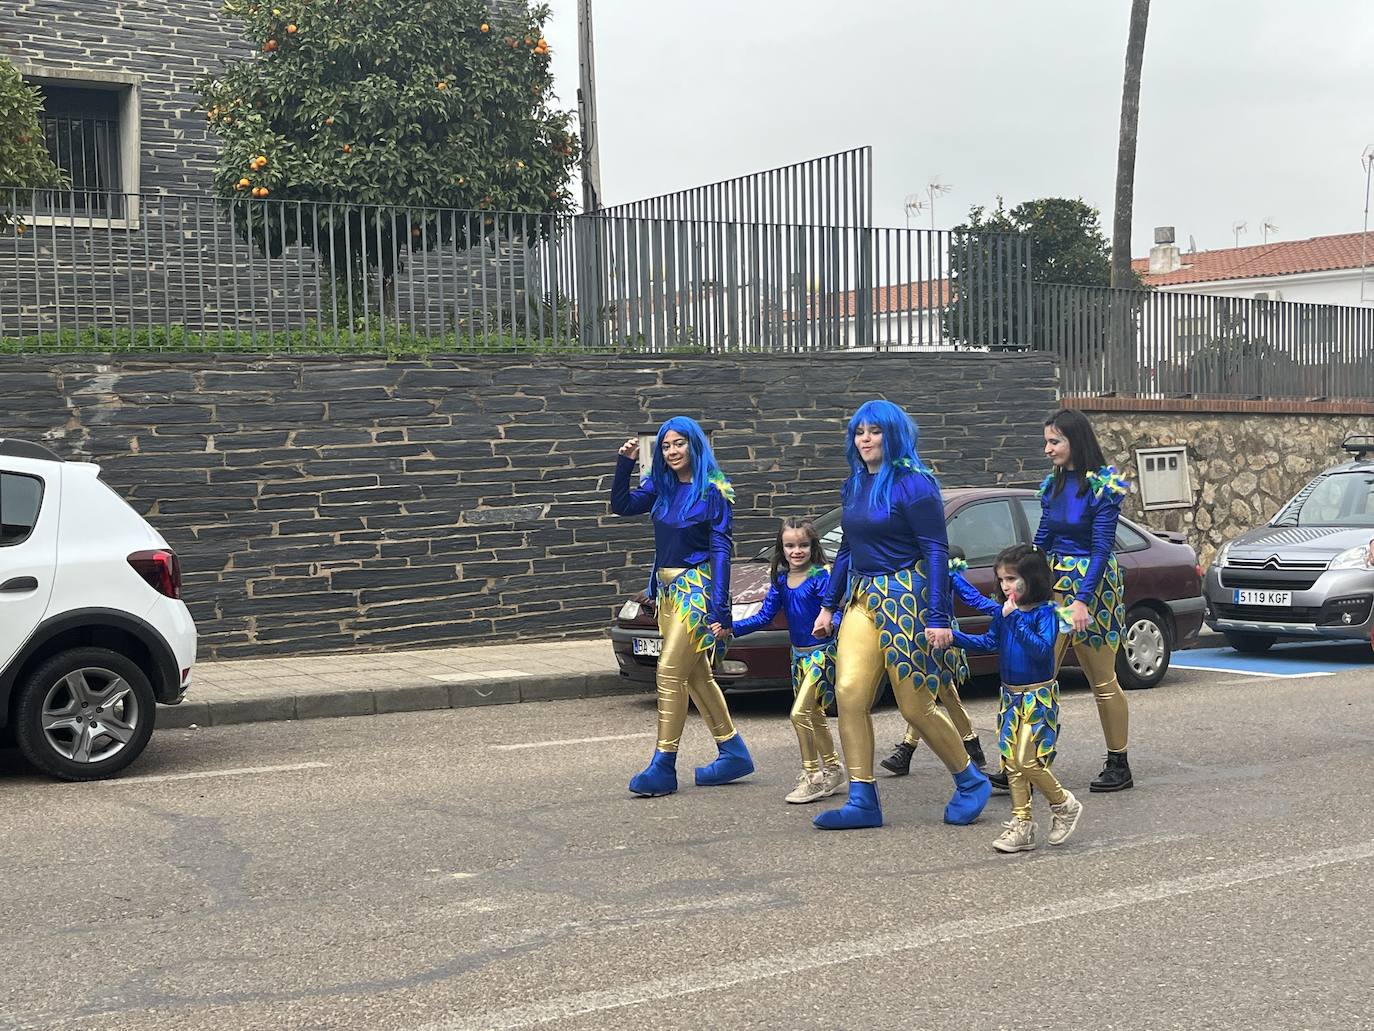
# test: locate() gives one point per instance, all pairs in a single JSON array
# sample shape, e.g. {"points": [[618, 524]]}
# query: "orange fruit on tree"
{"points": [[329, 120], [243, 183], [291, 30], [270, 45], [348, 148], [485, 27], [441, 85]]}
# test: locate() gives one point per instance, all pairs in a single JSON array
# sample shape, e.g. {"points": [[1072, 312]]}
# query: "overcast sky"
{"points": [[1250, 109]]}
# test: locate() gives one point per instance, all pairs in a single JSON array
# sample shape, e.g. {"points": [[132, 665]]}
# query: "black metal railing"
{"points": [[194, 273], [1155, 343]]}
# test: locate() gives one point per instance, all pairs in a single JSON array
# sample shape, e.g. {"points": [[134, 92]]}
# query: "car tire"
{"points": [[1146, 648], [1249, 644], [55, 705]]}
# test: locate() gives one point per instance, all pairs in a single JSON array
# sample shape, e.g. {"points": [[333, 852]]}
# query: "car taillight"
{"points": [[1199, 571], [161, 569]]}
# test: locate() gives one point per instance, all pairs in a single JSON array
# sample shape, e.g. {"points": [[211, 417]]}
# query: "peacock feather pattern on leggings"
{"points": [[688, 595], [1037, 708], [899, 604]]}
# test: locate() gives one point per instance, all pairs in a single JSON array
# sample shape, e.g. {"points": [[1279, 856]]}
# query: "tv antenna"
{"points": [[1367, 160], [934, 189], [913, 205], [1237, 228], [1269, 227]]}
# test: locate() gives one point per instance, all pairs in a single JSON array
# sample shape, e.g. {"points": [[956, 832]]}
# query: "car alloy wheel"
{"points": [[90, 715], [84, 714], [1145, 650]]}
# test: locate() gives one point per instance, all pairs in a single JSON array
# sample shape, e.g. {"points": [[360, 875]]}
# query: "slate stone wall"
{"points": [[327, 504]]}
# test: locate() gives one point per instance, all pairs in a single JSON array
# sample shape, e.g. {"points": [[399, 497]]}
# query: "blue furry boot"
{"points": [[733, 763], [658, 778], [971, 791], [861, 810]]}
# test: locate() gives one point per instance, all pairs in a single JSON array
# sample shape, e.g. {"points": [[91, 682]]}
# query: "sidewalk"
{"points": [[360, 684]]}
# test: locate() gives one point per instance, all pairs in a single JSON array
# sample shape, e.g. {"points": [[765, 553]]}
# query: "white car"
{"points": [[93, 631]]}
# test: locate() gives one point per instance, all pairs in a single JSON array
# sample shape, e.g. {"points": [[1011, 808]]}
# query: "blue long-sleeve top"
{"points": [[801, 604], [970, 595], [1082, 521], [1024, 643], [691, 533], [913, 528]]}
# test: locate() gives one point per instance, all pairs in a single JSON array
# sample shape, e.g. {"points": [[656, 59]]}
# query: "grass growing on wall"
{"points": [[376, 340]]}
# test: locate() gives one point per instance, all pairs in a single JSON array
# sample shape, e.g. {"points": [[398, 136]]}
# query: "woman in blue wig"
{"points": [[892, 577], [690, 500]]}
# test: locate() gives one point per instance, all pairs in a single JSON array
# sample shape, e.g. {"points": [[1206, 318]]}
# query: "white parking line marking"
{"points": [[202, 774], [793, 962], [1255, 673], [569, 741]]}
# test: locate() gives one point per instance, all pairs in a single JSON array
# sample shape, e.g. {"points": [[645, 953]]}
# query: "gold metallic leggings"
{"points": [[1026, 769], [813, 732], [860, 669], [1099, 666], [684, 672], [954, 709]]}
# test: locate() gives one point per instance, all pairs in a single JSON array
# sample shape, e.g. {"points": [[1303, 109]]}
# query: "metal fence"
{"points": [[834, 190], [1155, 343], [192, 273]]}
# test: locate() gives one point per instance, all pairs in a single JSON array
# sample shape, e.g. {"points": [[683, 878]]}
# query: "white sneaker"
{"points": [[833, 778], [1019, 836], [1065, 818], [810, 788]]}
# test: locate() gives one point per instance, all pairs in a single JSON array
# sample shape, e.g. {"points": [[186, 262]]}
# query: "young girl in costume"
{"points": [[891, 577], [1025, 632], [691, 502], [798, 583]]}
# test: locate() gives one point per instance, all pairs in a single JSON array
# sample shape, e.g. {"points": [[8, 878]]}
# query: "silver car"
{"points": [[1308, 574]]}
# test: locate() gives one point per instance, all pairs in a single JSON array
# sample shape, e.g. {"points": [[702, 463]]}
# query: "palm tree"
{"points": [[1125, 152]]}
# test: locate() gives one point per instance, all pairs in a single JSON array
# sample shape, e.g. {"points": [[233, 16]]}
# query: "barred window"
{"points": [[81, 128]]}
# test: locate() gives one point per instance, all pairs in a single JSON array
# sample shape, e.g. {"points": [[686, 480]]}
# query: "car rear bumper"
{"points": [[1187, 614], [759, 662]]}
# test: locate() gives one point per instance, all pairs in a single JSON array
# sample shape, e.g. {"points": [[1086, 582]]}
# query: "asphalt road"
{"points": [[463, 869]]}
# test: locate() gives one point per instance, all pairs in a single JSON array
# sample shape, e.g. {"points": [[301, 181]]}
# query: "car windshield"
{"points": [[1332, 499]]}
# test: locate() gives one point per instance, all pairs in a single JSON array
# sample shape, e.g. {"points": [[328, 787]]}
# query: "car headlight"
{"points": [[629, 611], [1220, 560], [738, 612], [1358, 557]]}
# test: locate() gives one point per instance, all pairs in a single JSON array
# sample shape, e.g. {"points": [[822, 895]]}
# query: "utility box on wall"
{"points": [[1163, 476]]}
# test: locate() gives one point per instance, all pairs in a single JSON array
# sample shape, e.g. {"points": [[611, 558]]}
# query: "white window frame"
{"points": [[129, 87]]}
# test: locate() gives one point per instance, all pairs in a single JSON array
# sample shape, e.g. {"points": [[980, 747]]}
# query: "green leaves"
{"points": [[24, 160], [400, 102]]}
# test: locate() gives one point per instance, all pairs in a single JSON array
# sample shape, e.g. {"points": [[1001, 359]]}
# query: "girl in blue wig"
{"points": [[892, 577], [691, 501]]}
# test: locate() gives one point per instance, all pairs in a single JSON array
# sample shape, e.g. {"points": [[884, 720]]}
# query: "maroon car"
{"points": [[1164, 604]]}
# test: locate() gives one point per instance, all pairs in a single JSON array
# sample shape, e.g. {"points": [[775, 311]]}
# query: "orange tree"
{"points": [[24, 161], [366, 106]]}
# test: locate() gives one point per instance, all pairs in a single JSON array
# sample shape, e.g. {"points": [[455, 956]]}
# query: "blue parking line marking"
{"points": [[1297, 659]]}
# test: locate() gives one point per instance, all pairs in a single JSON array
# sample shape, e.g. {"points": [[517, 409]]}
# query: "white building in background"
{"points": [[1320, 270]]}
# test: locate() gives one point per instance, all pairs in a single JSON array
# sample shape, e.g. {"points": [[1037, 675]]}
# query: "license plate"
{"points": [[646, 645], [1274, 598]]}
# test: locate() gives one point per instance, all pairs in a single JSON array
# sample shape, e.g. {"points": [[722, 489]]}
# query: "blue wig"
{"points": [[706, 474], [899, 450]]}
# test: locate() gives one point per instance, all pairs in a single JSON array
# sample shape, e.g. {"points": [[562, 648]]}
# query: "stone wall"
{"points": [[324, 504], [1245, 462]]}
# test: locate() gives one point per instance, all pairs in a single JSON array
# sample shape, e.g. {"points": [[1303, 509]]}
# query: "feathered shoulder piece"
{"points": [[719, 482], [1045, 485], [915, 465], [1107, 482]]}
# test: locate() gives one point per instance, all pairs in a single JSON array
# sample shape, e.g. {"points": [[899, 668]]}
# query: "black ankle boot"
{"points": [[999, 781], [974, 748], [1115, 775], [899, 762]]}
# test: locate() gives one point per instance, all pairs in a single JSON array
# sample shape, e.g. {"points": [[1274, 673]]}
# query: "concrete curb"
{"points": [[423, 694]]}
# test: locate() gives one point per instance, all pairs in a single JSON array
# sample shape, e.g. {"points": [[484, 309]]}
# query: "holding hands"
{"points": [[825, 620]]}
